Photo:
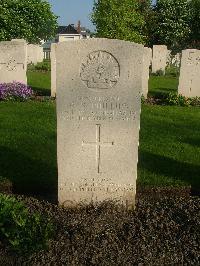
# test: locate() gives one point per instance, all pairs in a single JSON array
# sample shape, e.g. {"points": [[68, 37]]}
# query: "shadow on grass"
{"points": [[161, 93], [29, 176], [157, 164], [41, 91]]}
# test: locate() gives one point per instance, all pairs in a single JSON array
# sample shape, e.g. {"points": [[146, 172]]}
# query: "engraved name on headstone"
{"points": [[98, 117], [13, 59], [189, 79]]}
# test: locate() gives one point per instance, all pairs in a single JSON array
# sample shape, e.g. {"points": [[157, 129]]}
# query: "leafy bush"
{"points": [[15, 91], [20, 230], [43, 66], [159, 72], [174, 99], [171, 99], [195, 101], [172, 71]]}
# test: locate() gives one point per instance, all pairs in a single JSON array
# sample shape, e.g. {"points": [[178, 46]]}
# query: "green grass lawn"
{"points": [[161, 85], [169, 152], [28, 145], [40, 82]]}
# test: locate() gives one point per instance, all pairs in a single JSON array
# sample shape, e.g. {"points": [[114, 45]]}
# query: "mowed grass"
{"points": [[162, 85], [28, 145], [40, 82], [169, 152]]}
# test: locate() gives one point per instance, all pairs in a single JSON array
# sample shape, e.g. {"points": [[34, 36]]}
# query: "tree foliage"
{"points": [[171, 23], [195, 23], [118, 19], [175, 23], [31, 20]]}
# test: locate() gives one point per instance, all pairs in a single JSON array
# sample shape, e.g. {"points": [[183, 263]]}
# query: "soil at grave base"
{"points": [[163, 231]]}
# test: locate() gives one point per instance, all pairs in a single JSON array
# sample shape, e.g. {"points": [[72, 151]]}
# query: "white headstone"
{"points": [[98, 120], [176, 60], [169, 58], [34, 54], [13, 61], [159, 61], [189, 80], [53, 69], [147, 59], [18, 40]]}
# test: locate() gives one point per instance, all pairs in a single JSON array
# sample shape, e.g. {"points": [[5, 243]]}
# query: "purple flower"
{"points": [[15, 91]]}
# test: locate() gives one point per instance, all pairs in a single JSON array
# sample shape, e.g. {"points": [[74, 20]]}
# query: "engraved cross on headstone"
{"points": [[98, 145]]}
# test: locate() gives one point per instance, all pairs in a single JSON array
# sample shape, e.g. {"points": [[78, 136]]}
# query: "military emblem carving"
{"points": [[100, 70], [11, 65]]}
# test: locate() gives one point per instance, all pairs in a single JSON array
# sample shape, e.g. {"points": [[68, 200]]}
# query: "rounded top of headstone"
{"points": [[100, 70]]}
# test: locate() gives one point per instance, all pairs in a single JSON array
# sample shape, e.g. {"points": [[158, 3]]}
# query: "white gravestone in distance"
{"points": [[98, 120], [13, 61], [34, 54], [53, 70], [159, 61], [147, 59], [189, 80]]}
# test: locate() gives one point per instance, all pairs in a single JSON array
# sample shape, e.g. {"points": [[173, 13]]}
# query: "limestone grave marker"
{"points": [[159, 61], [34, 54], [13, 61], [189, 80], [98, 119], [53, 70], [147, 59]]}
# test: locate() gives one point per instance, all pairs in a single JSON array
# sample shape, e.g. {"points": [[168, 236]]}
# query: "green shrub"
{"points": [[174, 99], [143, 100], [172, 71], [195, 101], [159, 72], [44, 66], [20, 230], [41, 66]]}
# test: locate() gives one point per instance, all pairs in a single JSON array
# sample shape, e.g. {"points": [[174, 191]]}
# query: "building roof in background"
{"points": [[67, 30], [70, 29]]}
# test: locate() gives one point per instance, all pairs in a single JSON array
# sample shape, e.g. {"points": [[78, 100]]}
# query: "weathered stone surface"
{"points": [[19, 40], [98, 118], [13, 61], [34, 54], [189, 80], [159, 61], [147, 59], [176, 60], [53, 70]]}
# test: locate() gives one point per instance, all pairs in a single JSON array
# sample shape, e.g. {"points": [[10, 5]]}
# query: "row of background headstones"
{"points": [[91, 117], [158, 58], [35, 52], [15, 55]]}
